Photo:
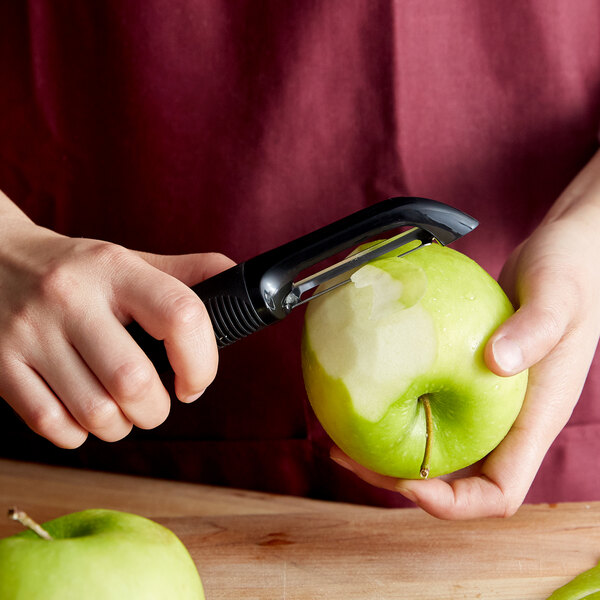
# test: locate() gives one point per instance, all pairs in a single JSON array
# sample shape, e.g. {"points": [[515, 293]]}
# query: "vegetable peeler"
{"points": [[265, 289]]}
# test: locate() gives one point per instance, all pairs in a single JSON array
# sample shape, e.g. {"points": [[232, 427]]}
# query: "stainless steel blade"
{"points": [[354, 261]]}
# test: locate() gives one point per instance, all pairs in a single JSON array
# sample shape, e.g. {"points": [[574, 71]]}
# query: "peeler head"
{"points": [[280, 284], [264, 289]]}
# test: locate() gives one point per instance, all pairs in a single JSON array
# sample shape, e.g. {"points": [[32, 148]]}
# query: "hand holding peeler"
{"points": [[265, 289]]}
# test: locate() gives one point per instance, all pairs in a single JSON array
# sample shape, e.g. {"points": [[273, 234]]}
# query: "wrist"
{"points": [[21, 239], [581, 198]]}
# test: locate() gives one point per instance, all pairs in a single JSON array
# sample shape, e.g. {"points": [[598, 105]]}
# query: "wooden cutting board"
{"points": [[258, 546], [357, 553]]}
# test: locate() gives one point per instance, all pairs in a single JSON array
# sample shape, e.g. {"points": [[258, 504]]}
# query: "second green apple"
{"points": [[98, 554], [403, 339]]}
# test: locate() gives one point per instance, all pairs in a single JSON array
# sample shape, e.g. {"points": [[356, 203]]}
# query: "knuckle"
{"points": [[562, 283], [552, 321], [224, 261], [131, 380], [58, 284], [47, 420], [99, 414], [106, 253], [184, 311], [573, 285], [61, 280]]}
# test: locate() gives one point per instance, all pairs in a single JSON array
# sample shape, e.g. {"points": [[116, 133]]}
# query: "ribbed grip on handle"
{"points": [[232, 318], [229, 306]]}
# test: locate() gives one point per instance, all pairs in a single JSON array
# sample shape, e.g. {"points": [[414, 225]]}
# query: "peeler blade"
{"points": [[354, 261]]}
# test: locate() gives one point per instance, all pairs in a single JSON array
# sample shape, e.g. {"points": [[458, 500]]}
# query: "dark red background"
{"points": [[236, 126]]}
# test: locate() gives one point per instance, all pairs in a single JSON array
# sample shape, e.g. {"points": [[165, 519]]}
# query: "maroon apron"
{"points": [[236, 126]]}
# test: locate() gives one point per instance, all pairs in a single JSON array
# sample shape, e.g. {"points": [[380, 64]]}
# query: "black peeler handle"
{"points": [[251, 295]]}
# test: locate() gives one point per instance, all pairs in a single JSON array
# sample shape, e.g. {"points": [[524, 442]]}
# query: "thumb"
{"points": [[534, 330], [189, 268]]}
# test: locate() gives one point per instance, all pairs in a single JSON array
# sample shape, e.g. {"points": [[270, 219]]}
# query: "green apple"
{"points": [[98, 555], [585, 586], [394, 369]]}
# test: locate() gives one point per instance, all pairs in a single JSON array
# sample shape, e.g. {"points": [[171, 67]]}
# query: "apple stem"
{"points": [[22, 517], [424, 470]]}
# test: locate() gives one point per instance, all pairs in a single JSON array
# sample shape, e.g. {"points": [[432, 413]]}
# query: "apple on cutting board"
{"points": [[586, 586], [394, 369], [96, 554]]}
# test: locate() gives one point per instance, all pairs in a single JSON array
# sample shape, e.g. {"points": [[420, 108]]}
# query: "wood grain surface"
{"points": [[249, 545]]}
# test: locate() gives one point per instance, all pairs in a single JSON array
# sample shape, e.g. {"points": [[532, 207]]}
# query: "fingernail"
{"points": [[408, 494], [507, 354], [341, 462], [192, 397]]}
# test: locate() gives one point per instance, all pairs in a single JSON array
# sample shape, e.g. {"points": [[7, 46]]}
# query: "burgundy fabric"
{"points": [[236, 126]]}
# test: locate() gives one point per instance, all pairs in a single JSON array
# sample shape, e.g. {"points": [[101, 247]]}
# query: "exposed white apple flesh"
{"points": [[402, 329]]}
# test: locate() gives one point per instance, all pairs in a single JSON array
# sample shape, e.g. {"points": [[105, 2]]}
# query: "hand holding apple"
{"points": [[554, 333], [96, 555]]}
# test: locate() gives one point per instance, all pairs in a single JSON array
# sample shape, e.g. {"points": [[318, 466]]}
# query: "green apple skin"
{"points": [[98, 554], [585, 585], [437, 338]]}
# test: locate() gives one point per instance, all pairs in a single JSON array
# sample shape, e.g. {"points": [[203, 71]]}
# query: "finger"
{"points": [[381, 481], [31, 398], [81, 393], [456, 499], [544, 317], [189, 268], [122, 368], [169, 310], [508, 275], [498, 490]]}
